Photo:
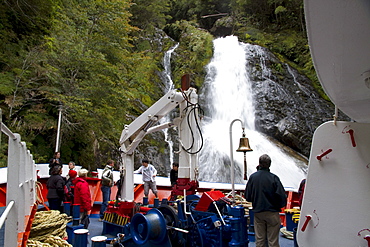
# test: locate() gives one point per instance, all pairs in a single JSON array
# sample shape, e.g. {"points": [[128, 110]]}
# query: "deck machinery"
{"points": [[187, 124], [210, 220], [197, 222]]}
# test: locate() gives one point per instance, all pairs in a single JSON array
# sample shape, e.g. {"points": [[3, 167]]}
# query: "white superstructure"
{"points": [[336, 199]]}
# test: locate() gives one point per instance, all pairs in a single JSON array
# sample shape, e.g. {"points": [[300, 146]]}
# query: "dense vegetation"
{"points": [[97, 61]]}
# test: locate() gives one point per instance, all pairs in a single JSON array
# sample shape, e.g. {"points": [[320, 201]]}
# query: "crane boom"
{"points": [[134, 133]]}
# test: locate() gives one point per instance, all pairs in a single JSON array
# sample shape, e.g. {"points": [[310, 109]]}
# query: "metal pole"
{"points": [[232, 159], [58, 131]]}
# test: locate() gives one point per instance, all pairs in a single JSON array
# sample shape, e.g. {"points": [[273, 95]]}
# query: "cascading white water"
{"points": [[167, 68], [227, 92], [168, 86]]}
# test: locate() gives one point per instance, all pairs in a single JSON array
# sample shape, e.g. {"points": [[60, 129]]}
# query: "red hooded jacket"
{"points": [[82, 194]]}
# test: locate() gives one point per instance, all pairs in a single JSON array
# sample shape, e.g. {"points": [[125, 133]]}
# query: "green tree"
{"points": [[270, 15], [90, 61], [203, 12], [83, 64], [23, 26], [148, 15]]}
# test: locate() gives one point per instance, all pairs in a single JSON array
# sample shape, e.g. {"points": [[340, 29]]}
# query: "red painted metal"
{"points": [[351, 134], [367, 238], [308, 218], [207, 198], [163, 192], [29, 226], [319, 157], [184, 184], [2, 195], [185, 82], [292, 201]]}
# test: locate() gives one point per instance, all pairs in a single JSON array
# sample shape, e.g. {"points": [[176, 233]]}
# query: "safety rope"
{"points": [[39, 197], [49, 229]]}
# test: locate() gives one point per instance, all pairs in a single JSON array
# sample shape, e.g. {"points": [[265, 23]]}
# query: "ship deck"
{"points": [[96, 229]]}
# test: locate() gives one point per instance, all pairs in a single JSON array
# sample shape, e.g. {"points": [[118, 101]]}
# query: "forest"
{"points": [[98, 62]]}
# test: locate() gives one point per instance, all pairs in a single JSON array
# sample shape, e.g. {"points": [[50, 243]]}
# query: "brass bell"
{"points": [[244, 145]]}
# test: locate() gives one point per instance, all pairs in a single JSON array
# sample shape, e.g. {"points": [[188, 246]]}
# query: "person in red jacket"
{"points": [[81, 196]]}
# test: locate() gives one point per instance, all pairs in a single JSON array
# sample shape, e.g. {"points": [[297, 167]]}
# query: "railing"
{"points": [[5, 213], [21, 188]]}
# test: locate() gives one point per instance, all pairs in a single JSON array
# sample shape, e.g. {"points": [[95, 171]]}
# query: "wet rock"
{"points": [[287, 106]]}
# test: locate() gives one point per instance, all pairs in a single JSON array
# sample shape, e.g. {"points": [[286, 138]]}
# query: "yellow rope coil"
{"points": [[32, 243], [51, 241], [49, 229], [57, 241]]}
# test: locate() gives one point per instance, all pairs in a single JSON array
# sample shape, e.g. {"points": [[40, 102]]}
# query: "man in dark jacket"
{"points": [[267, 195]]}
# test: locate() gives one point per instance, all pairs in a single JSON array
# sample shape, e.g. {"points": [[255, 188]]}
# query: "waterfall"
{"points": [[167, 68], [168, 86], [227, 95]]}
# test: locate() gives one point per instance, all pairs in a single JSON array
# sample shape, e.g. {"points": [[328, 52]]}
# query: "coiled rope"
{"points": [[49, 229]]}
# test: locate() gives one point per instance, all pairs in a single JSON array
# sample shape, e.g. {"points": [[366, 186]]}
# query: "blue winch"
{"points": [[181, 224]]}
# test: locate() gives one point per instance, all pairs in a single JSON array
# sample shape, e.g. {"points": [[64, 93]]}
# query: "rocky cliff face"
{"points": [[287, 107]]}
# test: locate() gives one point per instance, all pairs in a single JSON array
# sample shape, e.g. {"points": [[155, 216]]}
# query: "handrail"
{"points": [[5, 213], [21, 190], [7, 131]]}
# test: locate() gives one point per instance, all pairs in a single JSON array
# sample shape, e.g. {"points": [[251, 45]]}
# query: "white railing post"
{"points": [[29, 184], [32, 178], [12, 224], [21, 190]]}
